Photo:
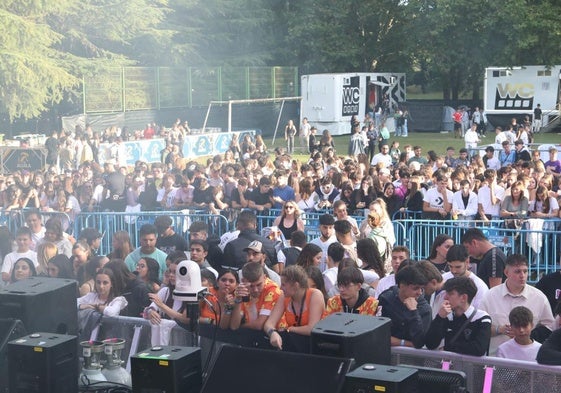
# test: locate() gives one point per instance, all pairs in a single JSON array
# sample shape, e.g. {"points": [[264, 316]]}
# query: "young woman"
{"points": [[307, 198], [105, 298], [438, 251], [393, 202], [23, 269], [223, 293], [309, 256], [148, 271], [54, 234], [163, 305], [131, 287], [515, 205], [352, 298], [121, 245], [45, 251], [87, 273], [315, 280], [289, 221], [544, 206], [368, 253], [301, 307], [60, 266], [414, 200], [81, 254]]}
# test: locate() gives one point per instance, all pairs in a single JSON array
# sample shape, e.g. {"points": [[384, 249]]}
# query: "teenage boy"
{"points": [[465, 329], [521, 346], [23, 241]]}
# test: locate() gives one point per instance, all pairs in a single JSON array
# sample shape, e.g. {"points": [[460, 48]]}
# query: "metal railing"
{"points": [[506, 375]]}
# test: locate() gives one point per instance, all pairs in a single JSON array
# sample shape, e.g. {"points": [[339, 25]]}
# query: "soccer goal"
{"points": [[267, 106]]}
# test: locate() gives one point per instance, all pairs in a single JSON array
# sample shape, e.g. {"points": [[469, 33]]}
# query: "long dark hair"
{"points": [[29, 263], [369, 254], [113, 292]]}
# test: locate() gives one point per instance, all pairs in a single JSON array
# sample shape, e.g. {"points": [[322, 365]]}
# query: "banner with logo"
{"points": [[19, 159], [197, 145], [351, 95]]}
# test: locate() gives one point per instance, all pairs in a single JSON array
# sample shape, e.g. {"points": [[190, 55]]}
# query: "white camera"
{"points": [[188, 287]]}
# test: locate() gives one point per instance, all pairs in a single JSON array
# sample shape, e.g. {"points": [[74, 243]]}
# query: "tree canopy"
{"points": [[47, 47]]}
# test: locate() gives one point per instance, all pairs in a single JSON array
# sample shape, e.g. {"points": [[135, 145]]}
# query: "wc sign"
{"points": [[514, 96], [351, 95]]}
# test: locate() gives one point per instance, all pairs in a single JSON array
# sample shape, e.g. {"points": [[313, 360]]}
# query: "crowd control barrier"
{"points": [[497, 374], [107, 223]]}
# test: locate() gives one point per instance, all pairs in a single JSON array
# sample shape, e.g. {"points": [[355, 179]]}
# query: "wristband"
{"points": [[238, 301], [271, 331], [402, 342], [497, 330]]}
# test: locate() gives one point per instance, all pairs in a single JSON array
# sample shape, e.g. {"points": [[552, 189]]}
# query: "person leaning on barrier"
{"points": [[255, 298], [465, 329], [521, 346]]}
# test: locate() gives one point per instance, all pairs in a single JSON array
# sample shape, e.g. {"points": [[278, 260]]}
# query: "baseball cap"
{"points": [[255, 245]]}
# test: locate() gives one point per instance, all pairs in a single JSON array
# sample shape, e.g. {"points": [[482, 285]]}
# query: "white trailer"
{"points": [[330, 100], [516, 91]]}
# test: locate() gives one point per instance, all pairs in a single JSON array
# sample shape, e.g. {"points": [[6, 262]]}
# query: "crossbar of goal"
{"points": [[249, 101]]}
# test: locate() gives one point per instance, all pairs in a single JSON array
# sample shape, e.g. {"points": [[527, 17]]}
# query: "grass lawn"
{"points": [[427, 140]]}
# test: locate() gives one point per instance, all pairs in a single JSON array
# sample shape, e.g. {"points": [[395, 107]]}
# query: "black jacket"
{"points": [[235, 256]]}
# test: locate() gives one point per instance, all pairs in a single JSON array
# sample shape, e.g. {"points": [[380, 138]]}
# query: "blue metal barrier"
{"points": [[541, 246], [109, 223]]}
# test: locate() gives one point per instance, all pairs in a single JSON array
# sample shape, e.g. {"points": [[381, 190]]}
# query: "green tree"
{"points": [[48, 46]]}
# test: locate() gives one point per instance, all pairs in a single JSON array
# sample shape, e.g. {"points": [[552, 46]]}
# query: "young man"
{"points": [[490, 161], [407, 308], [198, 253], [465, 329], [148, 234], [168, 240], [399, 254], [437, 202], [326, 224], [457, 258], [335, 254], [489, 258], [500, 300], [521, 346], [23, 241], [490, 196], [341, 214], [256, 297], [256, 253]]}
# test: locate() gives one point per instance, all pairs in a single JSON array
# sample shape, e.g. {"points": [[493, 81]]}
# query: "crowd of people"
{"points": [[468, 298]]}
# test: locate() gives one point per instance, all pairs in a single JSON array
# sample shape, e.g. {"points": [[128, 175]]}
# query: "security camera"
{"points": [[188, 287]]}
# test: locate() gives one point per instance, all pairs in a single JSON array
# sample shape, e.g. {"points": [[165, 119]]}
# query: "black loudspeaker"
{"points": [[43, 304], [43, 363], [249, 370], [362, 337], [9, 330], [374, 378], [167, 369]]}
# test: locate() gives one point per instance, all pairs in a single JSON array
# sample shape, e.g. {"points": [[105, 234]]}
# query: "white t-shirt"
{"points": [[484, 199], [435, 199], [512, 350], [324, 246], [385, 283], [11, 258]]}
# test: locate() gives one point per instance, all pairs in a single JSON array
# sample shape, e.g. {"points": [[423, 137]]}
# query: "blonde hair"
{"points": [[45, 251]]}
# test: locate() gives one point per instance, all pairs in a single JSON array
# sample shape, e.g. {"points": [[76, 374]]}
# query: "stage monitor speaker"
{"points": [[167, 369], [374, 378], [364, 338], [43, 363], [238, 369], [43, 304], [9, 329]]}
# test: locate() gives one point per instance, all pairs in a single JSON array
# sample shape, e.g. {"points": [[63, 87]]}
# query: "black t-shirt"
{"points": [[172, 243], [259, 198], [115, 183], [203, 196], [235, 196], [550, 285], [492, 265]]}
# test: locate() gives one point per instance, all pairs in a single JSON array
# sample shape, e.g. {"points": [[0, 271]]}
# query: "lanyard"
{"points": [[299, 316]]}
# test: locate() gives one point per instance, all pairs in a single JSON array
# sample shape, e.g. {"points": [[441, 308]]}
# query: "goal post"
{"points": [[232, 103]]}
